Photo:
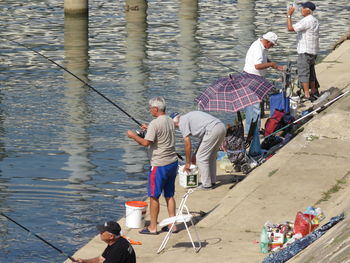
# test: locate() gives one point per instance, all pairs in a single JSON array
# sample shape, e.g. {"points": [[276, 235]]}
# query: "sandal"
{"points": [[146, 231], [305, 99], [166, 229]]}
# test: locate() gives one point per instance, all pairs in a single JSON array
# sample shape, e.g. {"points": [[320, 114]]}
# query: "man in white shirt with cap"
{"points": [[307, 30], [256, 62]]}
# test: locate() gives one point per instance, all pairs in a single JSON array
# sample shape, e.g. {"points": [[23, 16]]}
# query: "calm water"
{"points": [[66, 163]]}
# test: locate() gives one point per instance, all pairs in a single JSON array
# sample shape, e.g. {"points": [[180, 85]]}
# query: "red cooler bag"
{"points": [[303, 224]]}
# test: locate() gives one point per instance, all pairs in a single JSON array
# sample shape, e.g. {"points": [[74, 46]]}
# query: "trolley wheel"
{"points": [[245, 168]]}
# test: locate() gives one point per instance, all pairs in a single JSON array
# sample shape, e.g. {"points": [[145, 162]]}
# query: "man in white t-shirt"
{"points": [[307, 30], [160, 138], [256, 62]]}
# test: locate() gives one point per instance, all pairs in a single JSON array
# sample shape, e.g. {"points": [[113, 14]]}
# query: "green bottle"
{"points": [[264, 241]]}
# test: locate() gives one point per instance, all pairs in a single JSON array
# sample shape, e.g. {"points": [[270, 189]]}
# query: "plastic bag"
{"points": [[303, 224], [264, 241]]}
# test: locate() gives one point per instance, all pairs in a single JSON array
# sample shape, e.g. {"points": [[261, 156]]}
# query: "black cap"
{"points": [[110, 226], [309, 5]]}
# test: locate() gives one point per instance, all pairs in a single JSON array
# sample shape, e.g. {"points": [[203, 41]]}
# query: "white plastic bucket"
{"points": [[135, 214], [188, 179]]}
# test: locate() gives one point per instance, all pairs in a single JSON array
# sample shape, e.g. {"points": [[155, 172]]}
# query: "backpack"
{"points": [[234, 141], [273, 122]]}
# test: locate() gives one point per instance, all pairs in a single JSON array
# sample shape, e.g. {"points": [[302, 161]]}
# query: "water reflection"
{"points": [[3, 185], [245, 32], [76, 133], [2, 131], [188, 47], [136, 97], [135, 56]]}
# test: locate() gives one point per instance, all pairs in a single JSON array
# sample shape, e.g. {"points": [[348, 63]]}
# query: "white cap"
{"points": [[270, 36]]}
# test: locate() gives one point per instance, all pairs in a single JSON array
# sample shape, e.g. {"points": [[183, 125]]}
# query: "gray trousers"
{"points": [[207, 153], [306, 67]]}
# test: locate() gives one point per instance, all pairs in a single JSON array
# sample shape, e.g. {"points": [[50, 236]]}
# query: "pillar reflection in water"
{"points": [[2, 133], [3, 186], [188, 46], [245, 29], [136, 42], [76, 135]]}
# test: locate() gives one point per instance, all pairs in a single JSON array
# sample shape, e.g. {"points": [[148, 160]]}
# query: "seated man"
{"points": [[119, 250]]}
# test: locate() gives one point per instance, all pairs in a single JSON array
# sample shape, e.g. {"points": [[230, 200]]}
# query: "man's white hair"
{"points": [[158, 102]]}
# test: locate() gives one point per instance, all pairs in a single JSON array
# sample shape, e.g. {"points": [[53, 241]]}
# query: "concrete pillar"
{"points": [[73, 7]]}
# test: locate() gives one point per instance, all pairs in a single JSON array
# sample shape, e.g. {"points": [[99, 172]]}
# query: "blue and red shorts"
{"points": [[162, 178]]}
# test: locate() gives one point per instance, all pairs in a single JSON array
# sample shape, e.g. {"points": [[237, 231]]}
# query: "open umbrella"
{"points": [[233, 93]]}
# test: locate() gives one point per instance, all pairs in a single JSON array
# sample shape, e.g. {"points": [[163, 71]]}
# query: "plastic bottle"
{"points": [[320, 214], [264, 241], [293, 106], [294, 4], [296, 7]]}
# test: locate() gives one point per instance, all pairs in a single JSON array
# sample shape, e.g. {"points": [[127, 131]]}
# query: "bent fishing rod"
{"points": [[39, 237], [83, 81], [74, 75]]}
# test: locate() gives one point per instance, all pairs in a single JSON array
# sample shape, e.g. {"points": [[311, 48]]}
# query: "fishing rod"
{"points": [[74, 75], [139, 133], [39, 237], [314, 112]]}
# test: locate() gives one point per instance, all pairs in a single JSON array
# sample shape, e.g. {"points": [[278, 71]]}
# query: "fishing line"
{"points": [[83, 81], [39, 237], [214, 60]]}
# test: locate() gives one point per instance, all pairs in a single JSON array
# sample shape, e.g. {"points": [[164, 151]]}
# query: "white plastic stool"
{"points": [[183, 215]]}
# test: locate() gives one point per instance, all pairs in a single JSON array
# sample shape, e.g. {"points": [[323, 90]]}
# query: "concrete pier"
{"points": [[74, 7]]}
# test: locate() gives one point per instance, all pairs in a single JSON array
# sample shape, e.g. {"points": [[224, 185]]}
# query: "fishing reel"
{"points": [[141, 133]]}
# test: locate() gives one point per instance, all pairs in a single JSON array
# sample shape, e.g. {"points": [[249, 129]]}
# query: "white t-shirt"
{"points": [[307, 35], [256, 54], [161, 132]]}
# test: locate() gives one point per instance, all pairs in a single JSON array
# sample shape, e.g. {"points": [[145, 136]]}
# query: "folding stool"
{"points": [[183, 215]]}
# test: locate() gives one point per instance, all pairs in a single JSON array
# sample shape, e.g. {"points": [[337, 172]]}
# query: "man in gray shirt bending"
{"points": [[211, 131]]}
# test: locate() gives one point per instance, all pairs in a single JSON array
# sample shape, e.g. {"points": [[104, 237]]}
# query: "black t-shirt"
{"points": [[120, 252]]}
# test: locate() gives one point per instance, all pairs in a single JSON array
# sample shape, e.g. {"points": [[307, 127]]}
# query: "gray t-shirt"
{"points": [[161, 132], [195, 123]]}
